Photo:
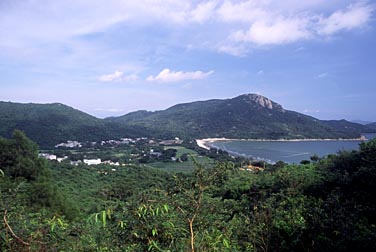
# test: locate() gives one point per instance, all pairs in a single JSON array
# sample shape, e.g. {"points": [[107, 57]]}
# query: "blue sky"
{"points": [[112, 57]]}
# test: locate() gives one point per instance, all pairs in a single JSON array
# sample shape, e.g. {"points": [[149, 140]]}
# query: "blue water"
{"points": [[287, 151]]}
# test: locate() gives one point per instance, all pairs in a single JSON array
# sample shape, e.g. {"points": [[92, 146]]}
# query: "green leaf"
{"points": [[165, 206], [53, 226], [154, 232], [171, 224], [121, 224], [60, 222], [150, 247], [109, 213], [226, 243], [104, 217]]}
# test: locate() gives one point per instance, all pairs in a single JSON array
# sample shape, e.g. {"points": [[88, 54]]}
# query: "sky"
{"points": [[108, 58]]}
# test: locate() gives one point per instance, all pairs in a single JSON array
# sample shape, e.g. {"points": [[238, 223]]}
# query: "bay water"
{"points": [[287, 151]]}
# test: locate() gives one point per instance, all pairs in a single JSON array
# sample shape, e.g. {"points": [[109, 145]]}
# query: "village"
{"points": [[112, 152], [174, 154]]}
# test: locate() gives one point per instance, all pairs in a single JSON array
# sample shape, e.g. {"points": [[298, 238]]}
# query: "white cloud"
{"points": [[117, 76], [244, 11], [204, 11], [300, 49], [264, 22], [261, 23], [234, 49], [111, 77], [353, 17], [113, 110], [166, 75], [238, 25], [150, 11], [278, 32], [322, 75], [311, 111], [131, 77]]}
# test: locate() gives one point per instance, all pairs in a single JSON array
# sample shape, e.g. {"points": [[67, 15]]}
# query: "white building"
{"points": [[61, 159], [111, 163], [75, 163], [69, 144], [93, 161], [48, 156]]}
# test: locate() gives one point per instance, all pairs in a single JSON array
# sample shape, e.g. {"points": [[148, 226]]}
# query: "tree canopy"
{"points": [[326, 205]]}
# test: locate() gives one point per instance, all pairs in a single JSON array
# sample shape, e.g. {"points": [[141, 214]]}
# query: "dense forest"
{"points": [[325, 205]]}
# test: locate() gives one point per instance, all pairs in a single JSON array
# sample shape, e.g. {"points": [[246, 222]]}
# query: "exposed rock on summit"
{"points": [[262, 101]]}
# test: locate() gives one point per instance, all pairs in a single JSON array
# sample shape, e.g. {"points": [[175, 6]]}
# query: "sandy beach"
{"points": [[205, 143]]}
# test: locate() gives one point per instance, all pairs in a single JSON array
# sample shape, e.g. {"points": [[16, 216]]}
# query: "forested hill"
{"points": [[245, 116], [49, 124], [372, 125], [346, 126]]}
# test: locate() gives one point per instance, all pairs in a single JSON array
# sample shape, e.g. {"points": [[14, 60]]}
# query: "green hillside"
{"points": [[246, 116], [49, 124], [372, 125], [349, 127]]}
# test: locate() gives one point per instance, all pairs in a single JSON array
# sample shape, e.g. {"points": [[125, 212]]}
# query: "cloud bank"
{"points": [[239, 24], [166, 76], [117, 76], [354, 16]]}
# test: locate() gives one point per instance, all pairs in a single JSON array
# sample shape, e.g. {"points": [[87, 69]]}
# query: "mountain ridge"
{"points": [[245, 116], [52, 123], [236, 118], [372, 125]]}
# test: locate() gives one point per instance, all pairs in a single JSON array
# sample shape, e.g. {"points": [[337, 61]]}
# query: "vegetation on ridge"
{"points": [[322, 206], [50, 124], [245, 116]]}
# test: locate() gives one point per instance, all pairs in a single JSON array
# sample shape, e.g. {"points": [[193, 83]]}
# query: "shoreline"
{"points": [[205, 142]]}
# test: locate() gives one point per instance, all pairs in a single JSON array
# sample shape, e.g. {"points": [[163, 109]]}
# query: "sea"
{"points": [[287, 151]]}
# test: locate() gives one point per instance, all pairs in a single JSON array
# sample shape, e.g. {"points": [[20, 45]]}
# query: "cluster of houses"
{"points": [[122, 141], [52, 157], [69, 144], [97, 161], [76, 144], [171, 142]]}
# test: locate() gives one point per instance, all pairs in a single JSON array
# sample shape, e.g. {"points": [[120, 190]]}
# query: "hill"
{"points": [[362, 122], [245, 116], [348, 127], [49, 124], [372, 125]]}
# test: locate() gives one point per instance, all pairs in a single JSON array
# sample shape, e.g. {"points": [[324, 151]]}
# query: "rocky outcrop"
{"points": [[262, 101]]}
